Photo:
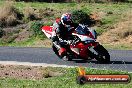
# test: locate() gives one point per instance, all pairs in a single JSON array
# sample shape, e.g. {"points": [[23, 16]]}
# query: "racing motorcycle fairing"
{"points": [[83, 45], [47, 31], [82, 49]]}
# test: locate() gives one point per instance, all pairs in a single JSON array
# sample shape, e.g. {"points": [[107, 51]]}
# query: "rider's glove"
{"points": [[69, 27]]}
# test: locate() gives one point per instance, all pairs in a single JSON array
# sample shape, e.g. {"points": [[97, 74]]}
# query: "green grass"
{"points": [[28, 43], [113, 14], [118, 47], [117, 9], [68, 80], [108, 20]]}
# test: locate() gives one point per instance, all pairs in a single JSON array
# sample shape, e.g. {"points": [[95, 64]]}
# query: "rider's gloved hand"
{"points": [[69, 27]]}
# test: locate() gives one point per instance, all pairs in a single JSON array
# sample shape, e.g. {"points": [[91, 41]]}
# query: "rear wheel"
{"points": [[103, 55], [55, 50], [66, 58]]}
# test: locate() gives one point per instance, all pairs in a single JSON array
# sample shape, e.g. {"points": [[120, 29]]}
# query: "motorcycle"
{"points": [[83, 45]]}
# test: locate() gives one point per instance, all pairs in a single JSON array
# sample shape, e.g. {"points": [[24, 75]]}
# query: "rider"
{"points": [[62, 28]]}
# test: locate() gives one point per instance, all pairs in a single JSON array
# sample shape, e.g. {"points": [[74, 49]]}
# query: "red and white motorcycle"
{"points": [[82, 46]]}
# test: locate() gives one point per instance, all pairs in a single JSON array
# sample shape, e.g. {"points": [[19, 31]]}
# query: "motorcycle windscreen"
{"points": [[47, 31]]}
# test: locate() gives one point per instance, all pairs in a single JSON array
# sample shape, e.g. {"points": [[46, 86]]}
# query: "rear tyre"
{"points": [[55, 50], [67, 58], [103, 55]]}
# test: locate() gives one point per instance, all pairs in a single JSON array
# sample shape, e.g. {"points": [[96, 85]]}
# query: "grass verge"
{"points": [[68, 80], [36, 42], [118, 46], [108, 13], [31, 42]]}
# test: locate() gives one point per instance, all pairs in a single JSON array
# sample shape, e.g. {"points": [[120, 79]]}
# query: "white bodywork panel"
{"points": [[86, 38], [48, 33]]}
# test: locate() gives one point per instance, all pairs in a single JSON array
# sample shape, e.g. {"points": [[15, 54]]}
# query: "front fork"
{"points": [[92, 50]]}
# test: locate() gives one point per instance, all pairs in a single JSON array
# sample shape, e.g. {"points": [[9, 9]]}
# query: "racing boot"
{"points": [[63, 55]]}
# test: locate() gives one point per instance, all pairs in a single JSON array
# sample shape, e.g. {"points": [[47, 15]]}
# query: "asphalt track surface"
{"points": [[120, 59]]}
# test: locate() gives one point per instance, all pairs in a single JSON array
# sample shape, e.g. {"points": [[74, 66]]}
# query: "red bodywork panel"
{"points": [[83, 48], [62, 51], [47, 28]]}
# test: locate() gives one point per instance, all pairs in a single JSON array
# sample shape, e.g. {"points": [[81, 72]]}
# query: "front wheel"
{"points": [[103, 55]]}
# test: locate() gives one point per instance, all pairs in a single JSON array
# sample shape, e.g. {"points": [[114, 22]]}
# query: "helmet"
{"points": [[66, 19]]}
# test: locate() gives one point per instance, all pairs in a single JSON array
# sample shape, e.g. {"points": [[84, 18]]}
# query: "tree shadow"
{"points": [[120, 62], [96, 62]]}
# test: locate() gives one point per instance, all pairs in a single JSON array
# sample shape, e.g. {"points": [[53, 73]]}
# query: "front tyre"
{"points": [[103, 55]]}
